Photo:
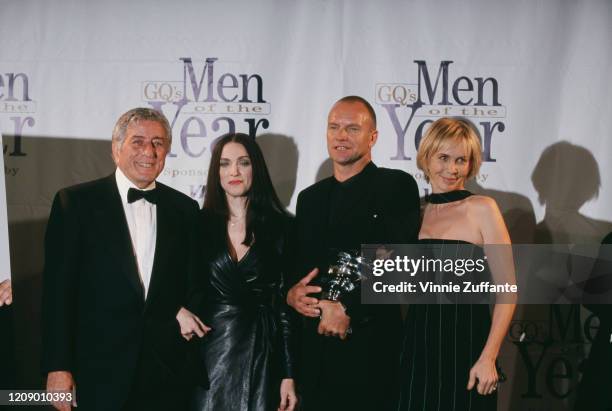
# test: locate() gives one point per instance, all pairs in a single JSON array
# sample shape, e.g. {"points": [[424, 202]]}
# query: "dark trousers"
{"points": [[156, 390], [341, 397], [7, 348]]}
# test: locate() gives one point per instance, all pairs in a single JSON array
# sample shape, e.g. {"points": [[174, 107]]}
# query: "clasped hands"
{"points": [[334, 321]]}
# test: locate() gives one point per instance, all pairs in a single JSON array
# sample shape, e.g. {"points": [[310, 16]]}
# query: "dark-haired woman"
{"points": [[248, 353]]}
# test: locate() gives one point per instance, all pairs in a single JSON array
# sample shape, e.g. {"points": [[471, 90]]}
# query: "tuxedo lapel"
{"points": [[113, 225], [162, 246]]}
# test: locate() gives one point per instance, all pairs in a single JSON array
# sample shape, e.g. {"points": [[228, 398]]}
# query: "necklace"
{"points": [[236, 220], [448, 197]]}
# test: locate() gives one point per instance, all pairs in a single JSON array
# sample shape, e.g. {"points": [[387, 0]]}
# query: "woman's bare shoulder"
{"points": [[487, 216], [482, 204]]}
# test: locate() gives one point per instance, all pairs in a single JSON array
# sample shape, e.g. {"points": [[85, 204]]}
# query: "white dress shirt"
{"points": [[142, 222]]}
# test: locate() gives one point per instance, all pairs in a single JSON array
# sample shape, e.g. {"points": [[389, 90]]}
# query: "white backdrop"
{"points": [[86, 62], [532, 75], [5, 262]]}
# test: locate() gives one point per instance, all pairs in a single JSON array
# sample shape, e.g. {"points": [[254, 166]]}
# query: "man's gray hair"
{"points": [[135, 115]]}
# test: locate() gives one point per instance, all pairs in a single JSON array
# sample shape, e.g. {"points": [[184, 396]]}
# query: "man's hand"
{"points": [[297, 297], [334, 321], [191, 324], [6, 293], [61, 381]]}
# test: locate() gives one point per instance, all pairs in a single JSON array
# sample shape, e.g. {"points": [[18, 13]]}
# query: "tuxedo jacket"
{"points": [[97, 323], [385, 211], [7, 348], [596, 369]]}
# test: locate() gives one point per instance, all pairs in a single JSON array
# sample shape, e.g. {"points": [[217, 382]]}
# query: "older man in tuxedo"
{"points": [[119, 278]]}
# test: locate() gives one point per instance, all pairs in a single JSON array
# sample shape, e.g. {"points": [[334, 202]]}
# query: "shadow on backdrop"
{"points": [[326, 169], [552, 340], [282, 157], [566, 177]]}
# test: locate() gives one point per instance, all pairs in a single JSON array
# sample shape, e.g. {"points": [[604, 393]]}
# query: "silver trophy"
{"points": [[343, 276]]}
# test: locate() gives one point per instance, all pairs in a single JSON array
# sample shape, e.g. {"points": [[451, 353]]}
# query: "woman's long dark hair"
{"points": [[263, 205]]}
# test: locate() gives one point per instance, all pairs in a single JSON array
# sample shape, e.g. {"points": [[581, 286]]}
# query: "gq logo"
{"points": [[17, 105], [208, 103], [397, 93], [168, 91], [443, 95]]}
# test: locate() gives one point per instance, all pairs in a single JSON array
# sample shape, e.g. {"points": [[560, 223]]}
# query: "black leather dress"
{"points": [[248, 351]]}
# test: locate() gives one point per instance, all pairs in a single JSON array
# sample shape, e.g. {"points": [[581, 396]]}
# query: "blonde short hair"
{"points": [[443, 130]]}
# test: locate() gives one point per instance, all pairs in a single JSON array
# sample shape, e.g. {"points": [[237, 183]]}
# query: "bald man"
{"points": [[360, 204]]}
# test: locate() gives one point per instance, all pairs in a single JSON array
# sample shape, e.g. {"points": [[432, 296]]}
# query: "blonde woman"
{"points": [[450, 351]]}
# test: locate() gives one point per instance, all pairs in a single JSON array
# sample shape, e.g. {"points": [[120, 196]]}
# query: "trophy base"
{"points": [[330, 295]]}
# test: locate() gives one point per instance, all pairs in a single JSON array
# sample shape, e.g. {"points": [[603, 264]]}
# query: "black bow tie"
{"points": [[150, 195]]}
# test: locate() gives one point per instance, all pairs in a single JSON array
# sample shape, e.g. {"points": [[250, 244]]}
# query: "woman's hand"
{"points": [[287, 395], [191, 324], [486, 373]]}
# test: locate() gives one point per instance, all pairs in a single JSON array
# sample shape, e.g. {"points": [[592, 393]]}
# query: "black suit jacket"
{"points": [[96, 321], [386, 211], [596, 378]]}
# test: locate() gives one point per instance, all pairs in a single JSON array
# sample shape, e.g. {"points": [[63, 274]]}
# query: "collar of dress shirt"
{"points": [[124, 184]]}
